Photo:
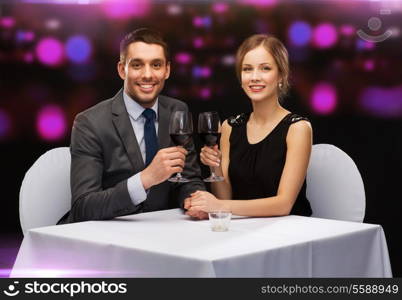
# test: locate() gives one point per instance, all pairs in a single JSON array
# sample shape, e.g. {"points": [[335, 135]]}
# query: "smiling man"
{"points": [[121, 151]]}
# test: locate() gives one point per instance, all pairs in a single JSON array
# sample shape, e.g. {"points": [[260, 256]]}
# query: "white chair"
{"points": [[335, 187], [45, 194]]}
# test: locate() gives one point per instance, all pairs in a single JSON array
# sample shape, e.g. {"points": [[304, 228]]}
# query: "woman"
{"points": [[264, 155]]}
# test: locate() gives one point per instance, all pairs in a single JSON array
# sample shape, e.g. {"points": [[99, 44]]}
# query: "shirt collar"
{"points": [[134, 109]]}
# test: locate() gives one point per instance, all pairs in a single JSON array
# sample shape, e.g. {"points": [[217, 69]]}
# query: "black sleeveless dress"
{"points": [[256, 169]]}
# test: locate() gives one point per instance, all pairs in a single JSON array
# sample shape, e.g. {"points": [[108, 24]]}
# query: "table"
{"points": [[170, 244]]}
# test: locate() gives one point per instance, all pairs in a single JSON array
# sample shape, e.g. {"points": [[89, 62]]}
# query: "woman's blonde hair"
{"points": [[275, 47]]}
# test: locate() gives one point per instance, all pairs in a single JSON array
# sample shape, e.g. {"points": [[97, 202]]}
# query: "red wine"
{"points": [[180, 139], [210, 138]]}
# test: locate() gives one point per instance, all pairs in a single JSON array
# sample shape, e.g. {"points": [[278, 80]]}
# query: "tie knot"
{"points": [[149, 114]]}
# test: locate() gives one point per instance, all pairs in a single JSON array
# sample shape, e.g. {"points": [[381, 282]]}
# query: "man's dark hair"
{"points": [[146, 35]]}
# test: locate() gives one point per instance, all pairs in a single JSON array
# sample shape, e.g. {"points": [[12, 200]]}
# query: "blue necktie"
{"points": [[151, 140]]}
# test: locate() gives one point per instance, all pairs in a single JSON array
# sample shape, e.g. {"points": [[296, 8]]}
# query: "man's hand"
{"points": [[165, 163], [205, 201], [200, 215], [196, 214]]}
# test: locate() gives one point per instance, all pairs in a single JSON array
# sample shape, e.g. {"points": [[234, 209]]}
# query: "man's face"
{"points": [[144, 72]]}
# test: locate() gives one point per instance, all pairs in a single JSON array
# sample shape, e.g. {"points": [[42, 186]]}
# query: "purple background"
{"points": [[57, 60]]}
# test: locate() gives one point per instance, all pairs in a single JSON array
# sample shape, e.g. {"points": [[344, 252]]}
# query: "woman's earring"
{"points": [[280, 85]]}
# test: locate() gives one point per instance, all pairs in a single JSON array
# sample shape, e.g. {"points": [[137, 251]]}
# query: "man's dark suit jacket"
{"points": [[105, 153]]}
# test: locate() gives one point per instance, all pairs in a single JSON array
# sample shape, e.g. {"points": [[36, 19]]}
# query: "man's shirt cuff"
{"points": [[136, 189]]}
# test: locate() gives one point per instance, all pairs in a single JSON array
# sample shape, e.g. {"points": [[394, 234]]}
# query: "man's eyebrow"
{"points": [[136, 60]]}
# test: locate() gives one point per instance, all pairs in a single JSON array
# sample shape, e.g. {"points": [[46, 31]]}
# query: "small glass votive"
{"points": [[219, 220]]}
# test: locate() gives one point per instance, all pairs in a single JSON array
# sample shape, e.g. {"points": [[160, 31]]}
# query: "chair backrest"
{"points": [[45, 194], [335, 187]]}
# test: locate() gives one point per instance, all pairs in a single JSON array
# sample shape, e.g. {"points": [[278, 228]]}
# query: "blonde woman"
{"points": [[263, 155]]}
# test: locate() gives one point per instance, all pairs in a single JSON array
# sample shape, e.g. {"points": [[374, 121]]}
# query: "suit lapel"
{"points": [[163, 127], [121, 121]]}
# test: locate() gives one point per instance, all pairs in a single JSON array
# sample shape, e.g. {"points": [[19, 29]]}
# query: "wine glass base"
{"points": [[214, 178], [178, 179]]}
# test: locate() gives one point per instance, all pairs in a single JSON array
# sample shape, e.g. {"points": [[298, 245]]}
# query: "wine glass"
{"points": [[209, 128], [180, 130]]}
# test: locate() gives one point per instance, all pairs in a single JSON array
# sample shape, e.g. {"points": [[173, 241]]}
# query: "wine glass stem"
{"points": [[178, 175], [212, 169]]}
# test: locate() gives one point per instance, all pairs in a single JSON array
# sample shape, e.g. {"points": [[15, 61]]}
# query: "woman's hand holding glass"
{"points": [[211, 156]]}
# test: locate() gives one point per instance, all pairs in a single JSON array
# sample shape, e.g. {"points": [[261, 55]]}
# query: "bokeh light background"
{"points": [[58, 58]]}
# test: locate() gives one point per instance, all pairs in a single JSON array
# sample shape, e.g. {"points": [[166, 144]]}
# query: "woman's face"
{"points": [[259, 75]]}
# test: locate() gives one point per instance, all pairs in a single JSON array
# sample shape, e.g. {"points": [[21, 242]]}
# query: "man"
{"points": [[121, 151]]}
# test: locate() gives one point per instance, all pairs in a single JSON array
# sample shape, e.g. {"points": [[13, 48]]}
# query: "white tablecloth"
{"points": [[170, 244]]}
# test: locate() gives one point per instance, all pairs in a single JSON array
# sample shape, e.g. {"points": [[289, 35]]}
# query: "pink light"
{"points": [[198, 42], [325, 36], [5, 124], [29, 36], [183, 58], [369, 65], [347, 30], [206, 72], [201, 72], [25, 36], [7, 22], [205, 93], [220, 7], [198, 21], [124, 9], [174, 9], [51, 123], [228, 60], [323, 98], [28, 57], [50, 52], [53, 24], [382, 101], [364, 45], [396, 32], [259, 2], [369, 45]]}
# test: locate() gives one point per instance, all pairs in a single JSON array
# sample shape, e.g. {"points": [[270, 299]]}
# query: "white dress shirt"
{"points": [[134, 184]]}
